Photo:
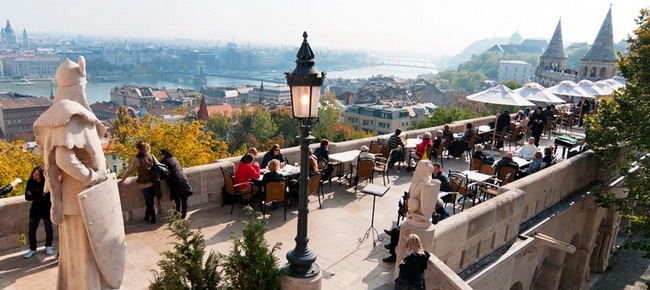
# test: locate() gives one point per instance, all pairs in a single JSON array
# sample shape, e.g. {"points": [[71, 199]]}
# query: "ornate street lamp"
{"points": [[305, 82]]}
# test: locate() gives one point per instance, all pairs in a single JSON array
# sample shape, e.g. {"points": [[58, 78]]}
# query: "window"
{"points": [[113, 157]]}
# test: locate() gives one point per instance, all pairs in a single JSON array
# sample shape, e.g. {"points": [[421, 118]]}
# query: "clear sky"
{"points": [[424, 26]]}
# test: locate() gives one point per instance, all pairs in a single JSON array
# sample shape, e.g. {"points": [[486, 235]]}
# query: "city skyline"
{"points": [[416, 26]]}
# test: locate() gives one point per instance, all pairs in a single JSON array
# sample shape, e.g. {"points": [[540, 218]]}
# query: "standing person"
{"points": [[179, 187], [274, 153], [40, 210], [536, 124], [92, 247], [142, 163], [9, 187], [411, 269]]}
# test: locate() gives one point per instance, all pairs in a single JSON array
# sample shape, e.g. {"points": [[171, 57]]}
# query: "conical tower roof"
{"points": [[203, 110], [603, 47], [555, 48]]}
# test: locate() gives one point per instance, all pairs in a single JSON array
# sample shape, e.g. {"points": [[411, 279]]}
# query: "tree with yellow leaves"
{"points": [[16, 161], [185, 138]]}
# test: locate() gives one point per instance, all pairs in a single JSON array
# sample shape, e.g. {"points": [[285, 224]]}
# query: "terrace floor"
{"points": [[334, 231]]}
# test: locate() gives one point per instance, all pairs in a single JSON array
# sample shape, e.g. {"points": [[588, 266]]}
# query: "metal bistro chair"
{"points": [[376, 148], [381, 167], [275, 191], [315, 187], [460, 185], [231, 188], [402, 207], [475, 163], [365, 170], [492, 189]]}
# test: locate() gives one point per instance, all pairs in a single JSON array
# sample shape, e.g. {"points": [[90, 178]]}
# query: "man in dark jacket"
{"points": [[179, 187], [536, 124]]}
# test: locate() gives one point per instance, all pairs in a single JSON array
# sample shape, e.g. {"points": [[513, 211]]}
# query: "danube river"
{"points": [[100, 91]]}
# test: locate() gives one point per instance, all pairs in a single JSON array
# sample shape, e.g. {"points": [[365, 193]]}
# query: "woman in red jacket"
{"points": [[247, 170]]}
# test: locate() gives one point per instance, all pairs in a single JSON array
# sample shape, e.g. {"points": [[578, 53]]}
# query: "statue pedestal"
{"points": [[425, 232], [293, 283]]}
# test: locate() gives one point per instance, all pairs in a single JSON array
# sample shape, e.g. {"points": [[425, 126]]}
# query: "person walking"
{"points": [[536, 124], [40, 210], [143, 162], [179, 187]]}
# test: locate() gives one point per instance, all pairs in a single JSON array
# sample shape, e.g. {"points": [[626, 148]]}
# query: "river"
{"points": [[100, 91]]}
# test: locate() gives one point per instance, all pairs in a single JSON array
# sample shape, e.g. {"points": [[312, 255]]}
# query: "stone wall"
{"points": [[206, 181]]}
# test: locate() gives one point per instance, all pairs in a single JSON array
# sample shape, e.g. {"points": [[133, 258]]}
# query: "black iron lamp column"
{"points": [[305, 82]]}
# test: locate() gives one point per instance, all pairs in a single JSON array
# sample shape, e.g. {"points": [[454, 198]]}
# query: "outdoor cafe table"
{"points": [[286, 171], [484, 129], [411, 143], [523, 163], [342, 158], [476, 177]]}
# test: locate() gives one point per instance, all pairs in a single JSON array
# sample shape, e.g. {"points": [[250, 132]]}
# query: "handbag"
{"points": [[158, 171]]}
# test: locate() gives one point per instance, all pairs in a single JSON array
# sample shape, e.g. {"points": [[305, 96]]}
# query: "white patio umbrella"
{"points": [[620, 79], [614, 83], [592, 88], [606, 87], [499, 95], [536, 93], [569, 88]]}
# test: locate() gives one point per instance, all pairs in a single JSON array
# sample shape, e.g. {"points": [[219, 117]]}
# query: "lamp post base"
{"points": [[293, 283]]}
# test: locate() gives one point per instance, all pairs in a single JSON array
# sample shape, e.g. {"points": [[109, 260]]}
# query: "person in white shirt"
{"points": [[528, 151]]}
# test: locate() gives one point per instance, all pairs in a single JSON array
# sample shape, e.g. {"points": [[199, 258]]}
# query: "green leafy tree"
{"points": [[513, 85], [251, 264], [183, 266], [446, 115], [621, 128], [219, 125], [254, 126], [574, 56], [288, 127]]}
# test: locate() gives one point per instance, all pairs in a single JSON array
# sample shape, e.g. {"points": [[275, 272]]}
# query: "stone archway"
{"points": [[568, 275], [584, 71], [603, 73]]}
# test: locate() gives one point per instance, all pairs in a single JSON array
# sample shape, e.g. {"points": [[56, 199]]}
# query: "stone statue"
{"points": [[85, 198], [423, 195]]}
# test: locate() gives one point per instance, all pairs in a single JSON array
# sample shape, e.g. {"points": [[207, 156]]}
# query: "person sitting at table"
{"points": [[272, 175], [505, 161], [438, 174], [549, 112], [251, 151], [536, 124], [518, 116], [322, 155], [447, 134], [527, 112], [533, 167], [396, 153], [247, 170], [436, 142], [457, 148], [274, 153], [556, 112], [478, 153], [294, 186], [363, 155], [528, 151], [420, 148], [523, 126], [548, 156]]}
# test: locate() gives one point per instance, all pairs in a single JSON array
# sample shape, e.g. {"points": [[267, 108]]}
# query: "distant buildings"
{"points": [[7, 35], [137, 97], [31, 65], [515, 70], [17, 116], [381, 119], [275, 93]]}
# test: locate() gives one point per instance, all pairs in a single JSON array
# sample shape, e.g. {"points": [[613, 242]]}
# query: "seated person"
{"points": [[528, 151], [247, 171], [478, 153], [274, 153], [419, 149], [505, 161], [251, 151], [294, 186], [447, 134], [363, 155], [457, 148], [440, 214], [395, 145], [548, 156], [436, 142], [322, 154], [533, 167], [272, 175]]}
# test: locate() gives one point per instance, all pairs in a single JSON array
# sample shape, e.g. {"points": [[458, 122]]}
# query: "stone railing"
{"points": [[206, 181]]}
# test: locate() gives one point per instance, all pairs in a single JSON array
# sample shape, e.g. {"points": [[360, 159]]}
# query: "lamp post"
{"points": [[305, 82]]}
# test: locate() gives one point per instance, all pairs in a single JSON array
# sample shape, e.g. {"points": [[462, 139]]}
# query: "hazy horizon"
{"points": [[416, 26]]}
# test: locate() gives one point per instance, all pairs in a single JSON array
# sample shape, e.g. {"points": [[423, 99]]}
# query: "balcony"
{"points": [[495, 238]]}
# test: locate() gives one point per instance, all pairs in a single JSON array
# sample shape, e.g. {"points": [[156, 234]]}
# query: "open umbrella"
{"points": [[499, 95], [569, 88], [614, 83], [536, 93], [592, 88], [605, 87]]}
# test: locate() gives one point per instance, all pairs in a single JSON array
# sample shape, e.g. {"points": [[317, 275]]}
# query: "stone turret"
{"points": [[554, 57], [600, 61]]}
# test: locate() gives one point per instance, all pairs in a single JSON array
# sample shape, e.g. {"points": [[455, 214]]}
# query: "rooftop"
{"points": [[334, 231]]}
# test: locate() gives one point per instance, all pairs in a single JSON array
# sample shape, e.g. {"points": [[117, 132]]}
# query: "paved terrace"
{"points": [[334, 231]]}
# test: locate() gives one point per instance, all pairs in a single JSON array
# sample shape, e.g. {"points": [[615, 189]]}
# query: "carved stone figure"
{"points": [[85, 199], [423, 195]]}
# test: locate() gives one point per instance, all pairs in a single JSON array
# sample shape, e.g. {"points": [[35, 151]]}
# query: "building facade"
{"points": [[17, 115], [381, 119], [515, 70], [31, 65], [277, 94], [137, 97]]}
